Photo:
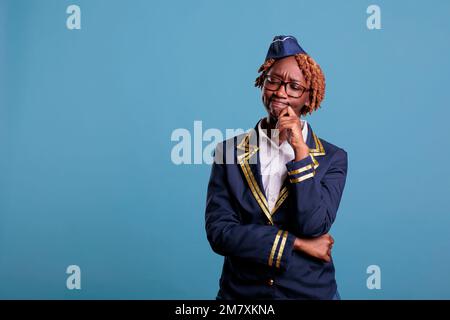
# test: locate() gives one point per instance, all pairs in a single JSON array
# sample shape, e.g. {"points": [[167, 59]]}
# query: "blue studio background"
{"points": [[86, 118]]}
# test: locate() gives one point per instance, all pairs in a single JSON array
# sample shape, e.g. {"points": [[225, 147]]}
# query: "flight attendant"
{"points": [[274, 191]]}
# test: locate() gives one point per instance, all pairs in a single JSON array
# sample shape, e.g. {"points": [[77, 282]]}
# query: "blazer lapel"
{"points": [[248, 159], [315, 146]]}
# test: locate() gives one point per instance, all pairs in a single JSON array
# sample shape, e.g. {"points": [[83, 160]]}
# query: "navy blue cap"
{"points": [[283, 46]]}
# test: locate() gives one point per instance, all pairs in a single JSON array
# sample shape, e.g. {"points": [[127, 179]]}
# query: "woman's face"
{"points": [[285, 69]]}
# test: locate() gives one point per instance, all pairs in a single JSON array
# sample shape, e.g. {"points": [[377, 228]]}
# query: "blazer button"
{"points": [[270, 282]]}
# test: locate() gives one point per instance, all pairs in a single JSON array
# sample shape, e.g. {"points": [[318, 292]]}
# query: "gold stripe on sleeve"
{"points": [[280, 252], [300, 179], [305, 168], [302, 169], [274, 247]]}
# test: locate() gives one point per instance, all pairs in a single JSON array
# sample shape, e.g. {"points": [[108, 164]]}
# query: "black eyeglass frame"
{"points": [[284, 83]]}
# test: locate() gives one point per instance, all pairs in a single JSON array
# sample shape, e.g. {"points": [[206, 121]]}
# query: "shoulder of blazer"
{"points": [[331, 149]]}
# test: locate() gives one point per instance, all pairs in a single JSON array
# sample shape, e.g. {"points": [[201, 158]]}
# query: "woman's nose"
{"points": [[281, 92]]}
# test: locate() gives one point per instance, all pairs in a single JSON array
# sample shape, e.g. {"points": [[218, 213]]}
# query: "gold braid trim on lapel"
{"points": [[243, 159], [251, 181], [318, 150]]}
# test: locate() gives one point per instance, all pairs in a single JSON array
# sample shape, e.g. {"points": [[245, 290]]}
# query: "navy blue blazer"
{"points": [[257, 244]]}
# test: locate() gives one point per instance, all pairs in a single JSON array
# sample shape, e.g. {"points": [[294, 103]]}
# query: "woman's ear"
{"points": [[308, 101], [305, 108]]}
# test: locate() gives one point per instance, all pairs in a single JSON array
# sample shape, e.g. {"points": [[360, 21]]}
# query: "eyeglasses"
{"points": [[293, 89]]}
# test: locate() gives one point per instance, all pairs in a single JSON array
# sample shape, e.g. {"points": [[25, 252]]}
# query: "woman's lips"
{"points": [[277, 106]]}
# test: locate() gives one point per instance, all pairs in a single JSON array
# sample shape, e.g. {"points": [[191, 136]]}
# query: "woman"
{"points": [[274, 192]]}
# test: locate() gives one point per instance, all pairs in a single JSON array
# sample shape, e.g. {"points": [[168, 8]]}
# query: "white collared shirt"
{"points": [[273, 159]]}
